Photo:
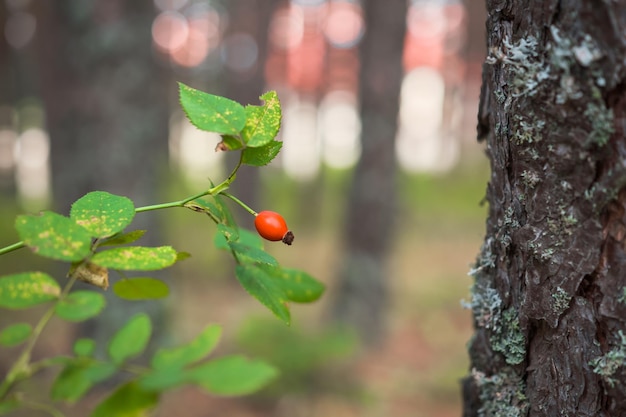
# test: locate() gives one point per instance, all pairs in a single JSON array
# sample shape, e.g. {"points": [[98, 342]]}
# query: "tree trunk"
{"points": [[549, 297], [107, 114], [361, 299]]}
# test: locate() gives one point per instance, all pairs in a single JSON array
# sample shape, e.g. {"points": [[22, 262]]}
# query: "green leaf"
{"points": [[80, 306], [123, 238], [27, 289], [161, 380], [188, 353], [131, 339], [103, 214], [264, 288], [215, 208], [224, 235], [141, 288], [84, 347], [137, 258], [129, 400], [233, 375], [262, 155], [77, 378], [299, 286], [251, 255], [212, 113], [15, 334], [54, 236], [251, 239], [9, 404], [262, 122], [231, 143]]}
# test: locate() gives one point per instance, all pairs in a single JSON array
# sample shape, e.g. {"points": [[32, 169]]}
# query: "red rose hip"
{"points": [[272, 226]]}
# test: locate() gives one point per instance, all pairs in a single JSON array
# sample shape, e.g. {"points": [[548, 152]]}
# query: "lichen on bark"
{"points": [[552, 115]]}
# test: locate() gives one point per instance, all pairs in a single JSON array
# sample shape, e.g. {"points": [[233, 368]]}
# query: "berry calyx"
{"points": [[272, 226]]}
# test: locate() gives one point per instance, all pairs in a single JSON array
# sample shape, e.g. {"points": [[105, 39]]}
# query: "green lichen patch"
{"points": [[508, 339], [608, 364], [560, 300], [502, 394]]}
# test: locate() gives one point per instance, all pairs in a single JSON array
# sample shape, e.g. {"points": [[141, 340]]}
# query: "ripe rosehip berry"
{"points": [[272, 226]]}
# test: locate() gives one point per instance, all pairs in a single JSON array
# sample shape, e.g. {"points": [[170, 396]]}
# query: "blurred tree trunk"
{"points": [[107, 111], [252, 18], [362, 293], [549, 298]]}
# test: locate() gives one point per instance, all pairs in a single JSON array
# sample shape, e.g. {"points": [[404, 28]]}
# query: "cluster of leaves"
{"points": [[93, 238]]}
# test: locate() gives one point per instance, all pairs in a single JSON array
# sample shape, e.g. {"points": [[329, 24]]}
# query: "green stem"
{"points": [[21, 367], [241, 203], [12, 247], [180, 203]]}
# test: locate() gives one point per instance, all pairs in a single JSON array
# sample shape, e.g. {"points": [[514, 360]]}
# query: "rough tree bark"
{"points": [[549, 298], [362, 290]]}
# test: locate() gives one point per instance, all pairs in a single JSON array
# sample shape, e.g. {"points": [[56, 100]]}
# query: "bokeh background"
{"points": [[88, 100]]}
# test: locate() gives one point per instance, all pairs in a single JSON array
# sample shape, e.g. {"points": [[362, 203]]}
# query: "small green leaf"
{"points": [[123, 238], [212, 113], [80, 306], [264, 288], [15, 334], [77, 378], [262, 155], [84, 347], [251, 239], [188, 353], [161, 380], [299, 286], [128, 400], [9, 404], [137, 258], [216, 209], [141, 288], [181, 256], [27, 289], [251, 255], [224, 235], [233, 375], [262, 122], [54, 236], [131, 339], [103, 214], [231, 143]]}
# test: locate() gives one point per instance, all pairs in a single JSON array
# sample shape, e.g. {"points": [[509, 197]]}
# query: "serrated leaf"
{"points": [[27, 289], [15, 334], [136, 258], [131, 339], [80, 306], [123, 238], [264, 288], [77, 378], [299, 286], [262, 122], [251, 255], [262, 155], [212, 113], [84, 347], [103, 214], [188, 353], [141, 288], [233, 375], [54, 236], [128, 400]]}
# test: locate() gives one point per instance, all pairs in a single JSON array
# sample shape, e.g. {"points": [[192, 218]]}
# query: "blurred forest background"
{"points": [[380, 178]]}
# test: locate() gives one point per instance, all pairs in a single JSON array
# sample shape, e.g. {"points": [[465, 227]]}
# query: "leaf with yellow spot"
{"points": [[262, 122], [212, 113], [54, 236], [136, 258], [299, 286], [103, 214], [27, 289]]}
